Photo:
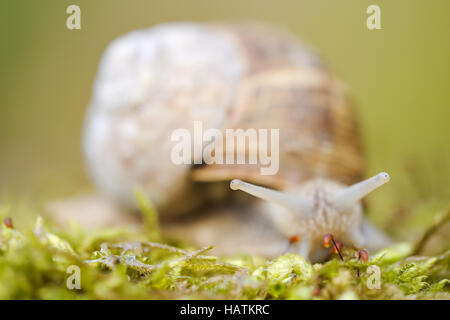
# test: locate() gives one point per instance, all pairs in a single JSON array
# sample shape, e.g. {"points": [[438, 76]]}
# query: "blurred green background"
{"points": [[398, 76]]}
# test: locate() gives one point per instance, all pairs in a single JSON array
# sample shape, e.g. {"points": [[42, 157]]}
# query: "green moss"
{"points": [[120, 264]]}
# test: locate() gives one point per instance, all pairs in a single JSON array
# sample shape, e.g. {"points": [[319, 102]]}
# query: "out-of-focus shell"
{"points": [[151, 82], [287, 87]]}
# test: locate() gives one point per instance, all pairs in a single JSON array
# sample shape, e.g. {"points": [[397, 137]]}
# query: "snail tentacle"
{"points": [[293, 203], [351, 195]]}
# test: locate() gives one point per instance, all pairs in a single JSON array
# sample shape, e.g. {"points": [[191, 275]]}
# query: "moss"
{"points": [[33, 265], [124, 264]]}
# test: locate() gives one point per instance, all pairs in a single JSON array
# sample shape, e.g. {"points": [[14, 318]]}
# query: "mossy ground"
{"points": [[123, 264]]}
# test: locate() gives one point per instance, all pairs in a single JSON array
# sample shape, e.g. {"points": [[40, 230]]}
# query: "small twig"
{"points": [[440, 220], [337, 249], [139, 245], [193, 254]]}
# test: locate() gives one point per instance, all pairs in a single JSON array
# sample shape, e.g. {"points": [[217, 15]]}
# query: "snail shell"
{"points": [[151, 82]]}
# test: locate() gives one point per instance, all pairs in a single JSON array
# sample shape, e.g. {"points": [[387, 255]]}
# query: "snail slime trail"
{"points": [[208, 147]]}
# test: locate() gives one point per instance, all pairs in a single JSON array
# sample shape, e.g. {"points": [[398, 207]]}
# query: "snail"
{"points": [[239, 76], [151, 82]]}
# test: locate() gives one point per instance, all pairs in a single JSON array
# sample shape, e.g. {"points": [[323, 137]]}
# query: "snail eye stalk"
{"points": [[351, 195], [294, 203]]}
